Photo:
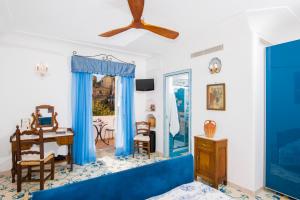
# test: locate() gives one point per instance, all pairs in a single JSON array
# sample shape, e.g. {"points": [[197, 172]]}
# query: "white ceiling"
{"points": [[275, 25], [83, 20]]}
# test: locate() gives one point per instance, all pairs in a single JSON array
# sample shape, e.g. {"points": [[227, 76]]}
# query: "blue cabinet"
{"points": [[283, 118]]}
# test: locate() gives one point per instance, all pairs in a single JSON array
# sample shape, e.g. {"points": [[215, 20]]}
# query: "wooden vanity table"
{"points": [[50, 129]]}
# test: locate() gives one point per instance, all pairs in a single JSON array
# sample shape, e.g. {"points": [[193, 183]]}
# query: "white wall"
{"points": [[239, 122], [259, 112], [22, 89]]}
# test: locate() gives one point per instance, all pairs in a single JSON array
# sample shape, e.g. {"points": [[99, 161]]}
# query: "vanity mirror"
{"points": [[45, 118]]}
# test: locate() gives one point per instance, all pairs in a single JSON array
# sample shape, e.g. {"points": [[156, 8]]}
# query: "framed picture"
{"points": [[216, 97]]}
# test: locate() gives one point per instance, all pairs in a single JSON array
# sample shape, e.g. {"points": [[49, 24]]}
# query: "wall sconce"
{"points": [[41, 69], [215, 65]]}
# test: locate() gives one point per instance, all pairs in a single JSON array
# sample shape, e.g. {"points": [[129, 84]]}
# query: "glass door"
{"points": [[177, 116]]}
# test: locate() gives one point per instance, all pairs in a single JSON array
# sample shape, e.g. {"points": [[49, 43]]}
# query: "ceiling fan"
{"points": [[136, 8]]}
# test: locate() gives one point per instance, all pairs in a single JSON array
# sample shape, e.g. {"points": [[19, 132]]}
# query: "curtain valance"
{"points": [[95, 66]]}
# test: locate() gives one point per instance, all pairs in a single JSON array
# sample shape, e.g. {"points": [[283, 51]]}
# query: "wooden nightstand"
{"points": [[211, 160]]}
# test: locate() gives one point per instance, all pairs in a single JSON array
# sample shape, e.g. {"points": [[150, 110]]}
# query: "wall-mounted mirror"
{"points": [[45, 117], [177, 115]]}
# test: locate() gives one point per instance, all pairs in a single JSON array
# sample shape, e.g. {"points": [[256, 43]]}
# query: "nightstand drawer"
{"points": [[206, 145]]}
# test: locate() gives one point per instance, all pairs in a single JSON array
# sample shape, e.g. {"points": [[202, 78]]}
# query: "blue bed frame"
{"points": [[133, 184]]}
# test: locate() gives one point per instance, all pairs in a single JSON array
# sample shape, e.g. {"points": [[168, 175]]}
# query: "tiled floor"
{"points": [[102, 166], [237, 194], [110, 144], [105, 164]]}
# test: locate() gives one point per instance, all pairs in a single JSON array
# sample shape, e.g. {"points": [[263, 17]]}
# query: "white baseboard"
{"points": [[159, 154], [242, 189]]}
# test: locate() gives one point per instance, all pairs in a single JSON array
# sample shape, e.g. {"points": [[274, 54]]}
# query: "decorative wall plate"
{"points": [[215, 65]]}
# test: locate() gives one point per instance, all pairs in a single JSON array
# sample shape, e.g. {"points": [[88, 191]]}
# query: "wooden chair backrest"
{"points": [[142, 128], [36, 139]]}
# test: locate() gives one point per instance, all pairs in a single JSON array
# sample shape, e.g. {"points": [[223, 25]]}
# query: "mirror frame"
{"points": [[35, 122], [165, 132]]}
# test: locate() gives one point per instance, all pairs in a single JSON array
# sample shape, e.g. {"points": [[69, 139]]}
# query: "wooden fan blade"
{"points": [[136, 8], [115, 31], [161, 31]]}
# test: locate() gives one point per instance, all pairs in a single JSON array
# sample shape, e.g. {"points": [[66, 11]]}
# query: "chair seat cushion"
{"points": [[34, 159], [142, 138]]}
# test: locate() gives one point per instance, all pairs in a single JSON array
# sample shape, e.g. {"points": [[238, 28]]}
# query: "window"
{"points": [[103, 95]]}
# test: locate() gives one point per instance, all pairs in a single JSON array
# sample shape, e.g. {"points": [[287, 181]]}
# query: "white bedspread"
{"points": [[192, 191]]}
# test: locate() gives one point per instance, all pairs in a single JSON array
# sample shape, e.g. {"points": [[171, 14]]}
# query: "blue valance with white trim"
{"points": [[105, 67]]}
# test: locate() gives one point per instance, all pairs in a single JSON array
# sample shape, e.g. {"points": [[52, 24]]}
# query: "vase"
{"points": [[210, 128], [151, 121]]}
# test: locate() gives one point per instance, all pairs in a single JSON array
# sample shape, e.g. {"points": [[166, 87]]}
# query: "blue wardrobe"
{"points": [[283, 118]]}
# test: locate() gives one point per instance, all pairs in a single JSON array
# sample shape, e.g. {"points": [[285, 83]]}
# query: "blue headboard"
{"points": [[133, 184]]}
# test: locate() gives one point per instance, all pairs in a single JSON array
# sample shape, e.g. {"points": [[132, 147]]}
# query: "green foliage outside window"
{"points": [[101, 108], [103, 96]]}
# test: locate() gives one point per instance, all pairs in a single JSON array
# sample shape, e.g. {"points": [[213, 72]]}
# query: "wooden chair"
{"points": [[32, 158], [142, 138]]}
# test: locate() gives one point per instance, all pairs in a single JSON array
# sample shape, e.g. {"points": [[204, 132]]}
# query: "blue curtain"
{"points": [[84, 146], [82, 69], [126, 119]]}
